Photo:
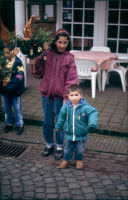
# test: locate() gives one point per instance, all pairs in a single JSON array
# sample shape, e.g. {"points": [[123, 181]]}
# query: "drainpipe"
{"points": [[19, 25]]}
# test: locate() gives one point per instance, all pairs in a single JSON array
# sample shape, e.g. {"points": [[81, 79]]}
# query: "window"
{"points": [[117, 26], [78, 19]]}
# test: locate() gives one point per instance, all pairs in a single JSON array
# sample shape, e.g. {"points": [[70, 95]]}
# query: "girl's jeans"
{"points": [[79, 150], [52, 107], [10, 101]]}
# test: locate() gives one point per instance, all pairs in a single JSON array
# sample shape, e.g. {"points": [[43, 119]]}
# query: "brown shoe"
{"points": [[79, 164], [64, 164]]}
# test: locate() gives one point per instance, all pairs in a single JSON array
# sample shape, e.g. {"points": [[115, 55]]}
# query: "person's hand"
{"points": [[32, 62], [58, 130], [64, 101]]}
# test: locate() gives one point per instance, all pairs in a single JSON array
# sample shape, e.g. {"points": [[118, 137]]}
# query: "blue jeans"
{"points": [[10, 101], [52, 107], [79, 150]]}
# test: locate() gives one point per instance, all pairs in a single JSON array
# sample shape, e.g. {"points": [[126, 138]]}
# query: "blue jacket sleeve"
{"points": [[92, 117], [62, 117], [16, 81]]}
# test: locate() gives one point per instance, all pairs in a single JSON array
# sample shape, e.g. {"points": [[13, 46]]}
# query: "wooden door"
{"points": [[7, 19]]}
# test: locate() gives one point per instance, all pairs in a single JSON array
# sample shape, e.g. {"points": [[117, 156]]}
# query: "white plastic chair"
{"points": [[120, 70], [98, 48], [84, 72], [74, 51]]}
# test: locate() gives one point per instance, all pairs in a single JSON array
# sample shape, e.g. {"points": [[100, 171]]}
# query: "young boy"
{"points": [[13, 88], [77, 116]]}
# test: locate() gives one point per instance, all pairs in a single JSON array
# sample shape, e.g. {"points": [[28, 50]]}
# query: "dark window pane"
{"points": [[77, 30], [89, 4], [112, 45], [113, 16], [88, 43], [113, 4], [67, 15], [88, 30], [89, 16], [8, 15], [123, 32], [112, 31], [67, 4], [123, 46], [78, 4], [77, 44], [67, 27], [78, 15], [124, 17], [124, 4]]}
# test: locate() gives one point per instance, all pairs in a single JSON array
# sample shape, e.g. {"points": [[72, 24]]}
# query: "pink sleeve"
{"points": [[20, 76]]}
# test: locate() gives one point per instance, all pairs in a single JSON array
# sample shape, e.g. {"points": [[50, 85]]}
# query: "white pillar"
{"points": [[19, 25]]}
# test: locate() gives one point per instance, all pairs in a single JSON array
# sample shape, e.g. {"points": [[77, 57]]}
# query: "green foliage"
{"points": [[4, 72], [38, 38]]}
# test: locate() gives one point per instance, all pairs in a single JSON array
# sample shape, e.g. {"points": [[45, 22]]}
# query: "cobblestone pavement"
{"points": [[31, 176]]}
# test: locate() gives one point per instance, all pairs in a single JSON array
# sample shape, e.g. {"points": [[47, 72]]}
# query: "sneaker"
{"points": [[7, 128], [64, 164], [19, 130], [79, 164], [58, 154], [47, 151]]}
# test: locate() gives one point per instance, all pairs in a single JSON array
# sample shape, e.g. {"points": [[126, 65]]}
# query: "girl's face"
{"points": [[61, 43]]}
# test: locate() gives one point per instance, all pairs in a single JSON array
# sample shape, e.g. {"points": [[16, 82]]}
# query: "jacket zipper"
{"points": [[73, 124]]}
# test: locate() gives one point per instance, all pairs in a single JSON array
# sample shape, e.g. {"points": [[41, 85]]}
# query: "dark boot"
{"points": [[19, 130], [47, 151], [7, 128]]}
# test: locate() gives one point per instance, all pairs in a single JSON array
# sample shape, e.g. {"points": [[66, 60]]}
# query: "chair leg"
{"points": [[104, 78], [123, 81], [93, 86], [99, 82], [107, 82]]}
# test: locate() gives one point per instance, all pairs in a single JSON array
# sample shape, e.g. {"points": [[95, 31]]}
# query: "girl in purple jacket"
{"points": [[57, 69]]}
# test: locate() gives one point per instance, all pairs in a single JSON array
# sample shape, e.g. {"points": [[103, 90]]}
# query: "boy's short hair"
{"points": [[73, 88], [10, 46]]}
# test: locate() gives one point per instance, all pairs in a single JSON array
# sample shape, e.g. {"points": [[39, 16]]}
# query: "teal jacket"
{"points": [[76, 122]]}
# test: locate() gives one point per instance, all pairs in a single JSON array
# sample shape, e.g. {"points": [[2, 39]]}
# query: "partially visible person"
{"points": [[13, 88], [56, 67], [77, 117]]}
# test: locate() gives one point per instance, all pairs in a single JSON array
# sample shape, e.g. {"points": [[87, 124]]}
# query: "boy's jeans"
{"points": [[79, 150], [10, 101], [52, 107]]}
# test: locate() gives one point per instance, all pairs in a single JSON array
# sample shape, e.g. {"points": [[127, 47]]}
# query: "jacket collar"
{"points": [[69, 104]]}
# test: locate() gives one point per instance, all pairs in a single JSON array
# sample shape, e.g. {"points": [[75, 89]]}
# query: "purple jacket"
{"points": [[57, 72]]}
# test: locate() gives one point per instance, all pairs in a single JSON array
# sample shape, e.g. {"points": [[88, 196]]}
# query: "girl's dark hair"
{"points": [[10, 46], [62, 32]]}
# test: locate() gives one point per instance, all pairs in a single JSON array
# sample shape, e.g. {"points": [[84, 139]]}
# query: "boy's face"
{"points": [[9, 55], [74, 97]]}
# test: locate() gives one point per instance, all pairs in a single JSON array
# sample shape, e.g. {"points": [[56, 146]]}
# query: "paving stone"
{"points": [[50, 185], [7, 177], [8, 163], [107, 182], [84, 183], [114, 177], [29, 182], [38, 166], [63, 189], [2, 165], [40, 189], [118, 181], [65, 171], [61, 183], [40, 195], [5, 182], [51, 196], [5, 187], [121, 187], [29, 188], [17, 189], [3, 170], [23, 168], [94, 180], [25, 172], [76, 191], [124, 193], [80, 178], [80, 173], [64, 196], [90, 196], [34, 175], [57, 174], [69, 175], [73, 185], [55, 170], [50, 190], [13, 180], [97, 185], [33, 169], [10, 167], [48, 175], [49, 180], [70, 180], [100, 191], [125, 179], [126, 183], [6, 192], [77, 197], [48, 168], [29, 165], [16, 175], [17, 165], [42, 171], [26, 177], [39, 178], [113, 193], [17, 184], [103, 177], [87, 189], [39, 184], [14, 171], [90, 175], [17, 195], [29, 194], [110, 187], [116, 198], [59, 178], [103, 196]]}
